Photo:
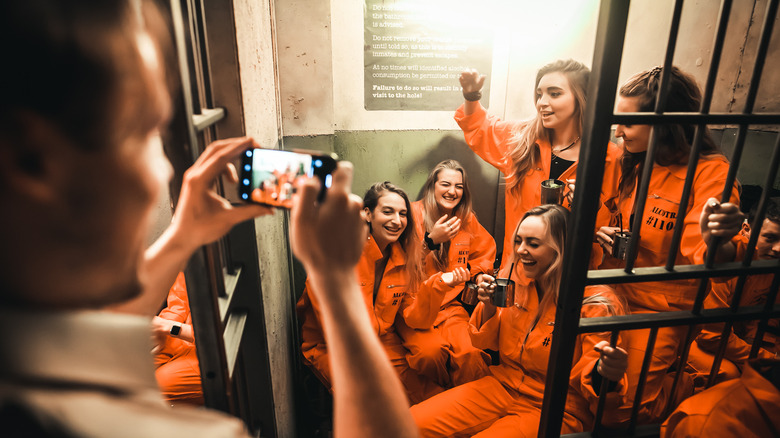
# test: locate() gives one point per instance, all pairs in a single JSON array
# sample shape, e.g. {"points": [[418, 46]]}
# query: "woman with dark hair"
{"points": [[544, 147], [508, 402], [453, 239], [670, 166], [390, 274]]}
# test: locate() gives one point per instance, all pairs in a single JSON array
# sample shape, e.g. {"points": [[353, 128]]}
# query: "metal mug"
{"points": [[620, 244], [469, 296], [552, 191], [503, 293]]}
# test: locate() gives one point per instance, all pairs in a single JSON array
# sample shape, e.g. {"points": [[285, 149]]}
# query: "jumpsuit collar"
{"points": [[373, 254]]}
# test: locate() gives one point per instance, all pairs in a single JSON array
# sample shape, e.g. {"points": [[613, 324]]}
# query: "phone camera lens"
{"points": [[248, 167], [317, 163], [245, 196], [246, 181], [248, 153]]}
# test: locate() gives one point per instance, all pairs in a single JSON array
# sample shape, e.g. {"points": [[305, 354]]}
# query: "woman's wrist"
{"points": [[488, 312], [472, 96], [333, 282], [430, 243]]}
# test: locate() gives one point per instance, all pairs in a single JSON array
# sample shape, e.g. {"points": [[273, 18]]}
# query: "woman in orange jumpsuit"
{"points": [[535, 150], [508, 402], [747, 407], [391, 279], [176, 359], [638, 94], [453, 238]]}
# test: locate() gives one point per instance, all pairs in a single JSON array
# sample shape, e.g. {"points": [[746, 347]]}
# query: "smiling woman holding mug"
{"points": [[509, 401]]}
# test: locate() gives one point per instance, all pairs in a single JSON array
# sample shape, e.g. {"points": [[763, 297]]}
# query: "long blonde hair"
{"points": [[525, 152], [408, 239], [555, 219], [432, 214]]}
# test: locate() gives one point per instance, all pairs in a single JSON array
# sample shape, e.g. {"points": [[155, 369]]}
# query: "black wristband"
{"points": [[429, 243], [473, 96]]}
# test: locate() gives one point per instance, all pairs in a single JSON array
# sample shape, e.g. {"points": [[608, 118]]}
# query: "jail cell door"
{"points": [[223, 278]]}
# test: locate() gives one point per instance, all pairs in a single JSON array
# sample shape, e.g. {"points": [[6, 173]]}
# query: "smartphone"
{"points": [[269, 176]]}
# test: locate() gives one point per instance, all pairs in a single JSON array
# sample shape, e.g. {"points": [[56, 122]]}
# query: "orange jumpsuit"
{"points": [[490, 138], [393, 298], [747, 407], [663, 200], [740, 341], [509, 401], [178, 370], [472, 247]]}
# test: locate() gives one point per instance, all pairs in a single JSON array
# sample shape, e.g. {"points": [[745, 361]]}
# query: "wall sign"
{"points": [[415, 50]]}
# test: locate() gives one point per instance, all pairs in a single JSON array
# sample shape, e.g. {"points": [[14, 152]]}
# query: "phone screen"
{"points": [[269, 176]]}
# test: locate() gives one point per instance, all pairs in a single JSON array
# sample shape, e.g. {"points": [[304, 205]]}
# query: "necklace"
{"points": [[567, 147], [557, 164]]}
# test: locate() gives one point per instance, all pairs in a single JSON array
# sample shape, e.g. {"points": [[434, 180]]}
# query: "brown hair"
{"points": [[432, 214], [525, 152], [408, 239], [673, 144], [77, 64]]}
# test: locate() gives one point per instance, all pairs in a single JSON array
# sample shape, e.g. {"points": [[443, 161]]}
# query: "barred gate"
{"points": [[596, 135]]}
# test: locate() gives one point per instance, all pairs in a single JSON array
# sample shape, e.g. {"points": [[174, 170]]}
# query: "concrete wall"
{"points": [[259, 89], [647, 35]]}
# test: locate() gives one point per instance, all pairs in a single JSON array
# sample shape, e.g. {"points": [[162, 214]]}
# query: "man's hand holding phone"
{"points": [[330, 235]]}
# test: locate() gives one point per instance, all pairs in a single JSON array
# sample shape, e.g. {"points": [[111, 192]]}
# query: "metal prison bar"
{"points": [[596, 131]]}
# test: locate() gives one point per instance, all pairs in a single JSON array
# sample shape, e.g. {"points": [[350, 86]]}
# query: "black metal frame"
{"points": [[223, 279], [599, 118]]}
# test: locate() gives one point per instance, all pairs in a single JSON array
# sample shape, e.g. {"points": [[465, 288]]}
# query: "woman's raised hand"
{"points": [[444, 229], [456, 276], [613, 361], [471, 80]]}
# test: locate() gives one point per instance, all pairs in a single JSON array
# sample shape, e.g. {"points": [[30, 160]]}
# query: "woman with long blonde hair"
{"points": [[508, 402], [455, 241], [544, 147]]}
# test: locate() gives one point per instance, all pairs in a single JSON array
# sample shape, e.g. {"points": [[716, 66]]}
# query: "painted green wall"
{"points": [[405, 158]]}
